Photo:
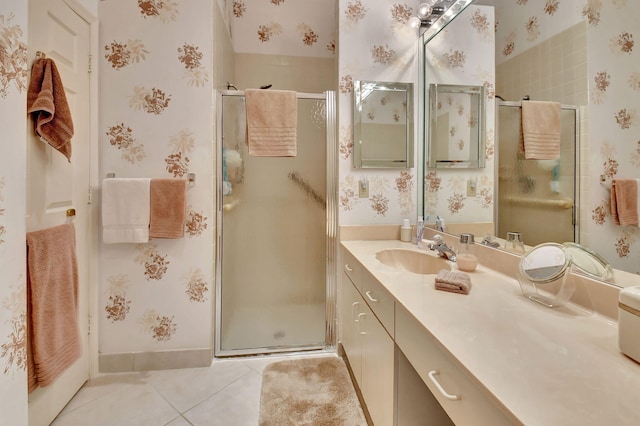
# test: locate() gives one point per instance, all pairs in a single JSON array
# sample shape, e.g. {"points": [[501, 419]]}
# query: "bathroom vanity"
{"points": [[491, 357]]}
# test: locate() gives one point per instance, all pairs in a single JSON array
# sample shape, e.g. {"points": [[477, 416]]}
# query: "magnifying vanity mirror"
{"points": [[544, 271], [544, 263], [456, 126], [383, 125]]}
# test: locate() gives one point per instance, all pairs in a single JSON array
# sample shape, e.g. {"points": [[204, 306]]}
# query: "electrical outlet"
{"points": [[364, 188], [471, 188]]}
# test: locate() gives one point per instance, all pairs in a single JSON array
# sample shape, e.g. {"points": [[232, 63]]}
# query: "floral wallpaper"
{"points": [[455, 57], [286, 27], [158, 124], [612, 137], [614, 126], [375, 44], [13, 84]]}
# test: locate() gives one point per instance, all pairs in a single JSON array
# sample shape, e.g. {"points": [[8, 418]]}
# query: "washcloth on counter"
{"points": [[272, 120], [53, 341], [47, 103], [624, 201], [125, 210], [168, 208], [453, 281], [540, 130]]}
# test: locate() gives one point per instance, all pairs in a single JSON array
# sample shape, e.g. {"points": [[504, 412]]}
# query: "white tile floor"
{"points": [[227, 393]]}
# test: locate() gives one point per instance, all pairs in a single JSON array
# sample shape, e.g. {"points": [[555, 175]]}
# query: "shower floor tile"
{"points": [[292, 325]]}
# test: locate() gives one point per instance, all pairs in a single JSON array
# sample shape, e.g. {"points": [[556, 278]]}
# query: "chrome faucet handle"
{"points": [[438, 240]]}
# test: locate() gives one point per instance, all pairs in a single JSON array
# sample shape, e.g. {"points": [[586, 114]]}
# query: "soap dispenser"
{"points": [[405, 231], [466, 258]]}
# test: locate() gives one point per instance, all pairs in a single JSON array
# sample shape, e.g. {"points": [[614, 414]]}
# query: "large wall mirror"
{"points": [[525, 64], [456, 126], [383, 125]]}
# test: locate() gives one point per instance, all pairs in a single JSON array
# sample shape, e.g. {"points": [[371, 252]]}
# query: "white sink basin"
{"points": [[412, 261]]}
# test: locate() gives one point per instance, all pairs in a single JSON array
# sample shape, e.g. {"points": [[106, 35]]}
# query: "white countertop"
{"points": [[558, 366]]}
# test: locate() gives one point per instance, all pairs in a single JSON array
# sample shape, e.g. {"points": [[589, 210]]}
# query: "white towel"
{"points": [[125, 210]]}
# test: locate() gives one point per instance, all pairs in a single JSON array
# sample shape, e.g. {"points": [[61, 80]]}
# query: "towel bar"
{"points": [[41, 55], [191, 177]]}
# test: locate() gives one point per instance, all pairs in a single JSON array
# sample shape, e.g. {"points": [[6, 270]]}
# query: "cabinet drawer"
{"points": [[380, 300], [461, 397], [352, 268]]}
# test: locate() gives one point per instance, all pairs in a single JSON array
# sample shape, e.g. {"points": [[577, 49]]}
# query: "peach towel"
{"points": [[272, 120], [52, 304], [168, 208], [624, 201], [47, 103], [540, 130], [453, 281]]}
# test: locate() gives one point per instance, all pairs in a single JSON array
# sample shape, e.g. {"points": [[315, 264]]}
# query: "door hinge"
{"points": [[90, 196], [90, 64], [89, 325]]}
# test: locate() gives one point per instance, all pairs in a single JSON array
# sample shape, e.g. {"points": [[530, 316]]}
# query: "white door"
{"points": [[54, 185]]}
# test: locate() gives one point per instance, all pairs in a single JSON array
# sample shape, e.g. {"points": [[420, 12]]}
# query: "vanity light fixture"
{"points": [[428, 14]]}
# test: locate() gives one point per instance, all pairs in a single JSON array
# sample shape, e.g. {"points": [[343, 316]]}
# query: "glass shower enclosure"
{"points": [[276, 233], [537, 198]]}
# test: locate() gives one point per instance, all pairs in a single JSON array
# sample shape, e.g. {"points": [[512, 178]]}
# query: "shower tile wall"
{"points": [[554, 70], [13, 99]]}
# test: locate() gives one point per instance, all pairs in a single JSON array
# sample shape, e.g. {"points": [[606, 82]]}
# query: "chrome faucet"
{"points": [[442, 249]]}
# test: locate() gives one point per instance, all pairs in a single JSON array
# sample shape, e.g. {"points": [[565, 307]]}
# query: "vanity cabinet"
{"points": [[459, 395], [367, 345]]}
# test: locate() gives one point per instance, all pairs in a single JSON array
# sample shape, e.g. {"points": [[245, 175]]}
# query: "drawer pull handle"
{"points": [[347, 267], [353, 306], [432, 375], [368, 293], [360, 322]]}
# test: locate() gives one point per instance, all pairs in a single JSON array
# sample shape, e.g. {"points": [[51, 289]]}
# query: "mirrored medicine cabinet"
{"points": [[456, 117], [383, 125]]}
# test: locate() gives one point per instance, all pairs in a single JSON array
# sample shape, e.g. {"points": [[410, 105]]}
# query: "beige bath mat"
{"points": [[310, 391]]}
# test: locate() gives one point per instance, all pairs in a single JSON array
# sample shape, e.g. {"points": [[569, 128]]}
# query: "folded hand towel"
{"points": [[168, 208], [624, 201], [540, 130], [125, 210], [47, 103], [453, 281], [272, 119], [52, 303]]}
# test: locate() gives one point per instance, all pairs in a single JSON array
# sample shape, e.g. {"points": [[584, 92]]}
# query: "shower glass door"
{"points": [[272, 278], [536, 197]]}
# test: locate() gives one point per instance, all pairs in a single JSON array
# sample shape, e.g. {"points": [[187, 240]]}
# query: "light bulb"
{"points": [[424, 10], [414, 22]]}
